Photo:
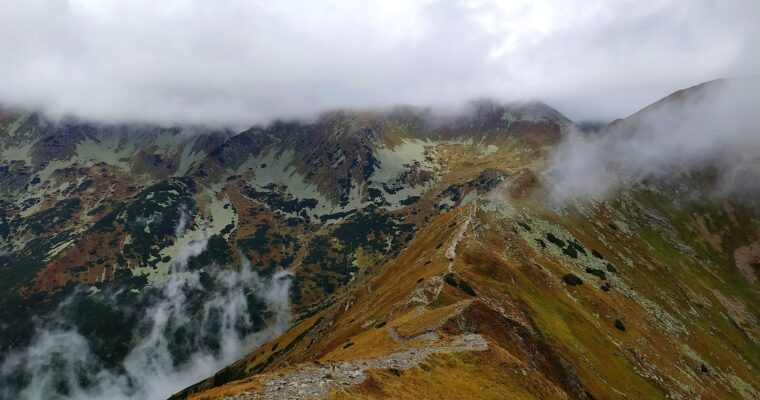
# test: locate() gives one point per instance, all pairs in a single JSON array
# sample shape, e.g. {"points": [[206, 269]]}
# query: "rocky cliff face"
{"points": [[425, 259]]}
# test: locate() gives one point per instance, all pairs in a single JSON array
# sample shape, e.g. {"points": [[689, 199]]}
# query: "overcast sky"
{"points": [[242, 62]]}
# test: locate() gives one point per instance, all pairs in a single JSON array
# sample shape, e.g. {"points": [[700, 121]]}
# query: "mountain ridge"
{"points": [[416, 249]]}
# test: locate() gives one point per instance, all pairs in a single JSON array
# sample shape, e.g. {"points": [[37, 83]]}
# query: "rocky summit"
{"points": [[398, 254]]}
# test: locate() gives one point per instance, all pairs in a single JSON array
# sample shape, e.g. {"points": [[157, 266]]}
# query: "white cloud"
{"points": [[241, 62], [713, 131]]}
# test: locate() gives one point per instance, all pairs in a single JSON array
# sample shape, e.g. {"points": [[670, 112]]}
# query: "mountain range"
{"points": [[366, 254]]}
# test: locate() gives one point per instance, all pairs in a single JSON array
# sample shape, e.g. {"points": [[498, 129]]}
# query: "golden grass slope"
{"points": [[671, 317]]}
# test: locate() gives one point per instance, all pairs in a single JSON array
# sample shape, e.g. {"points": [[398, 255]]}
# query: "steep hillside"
{"points": [[113, 220], [652, 293], [61, 181], [364, 255]]}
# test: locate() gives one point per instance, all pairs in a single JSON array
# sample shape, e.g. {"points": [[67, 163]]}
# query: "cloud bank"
{"points": [[242, 62], [711, 131]]}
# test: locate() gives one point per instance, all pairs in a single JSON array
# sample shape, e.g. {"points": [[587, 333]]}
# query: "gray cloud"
{"points": [[240, 62], [712, 131]]}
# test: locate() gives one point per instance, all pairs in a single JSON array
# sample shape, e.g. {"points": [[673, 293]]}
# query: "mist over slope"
{"points": [[712, 128], [169, 349]]}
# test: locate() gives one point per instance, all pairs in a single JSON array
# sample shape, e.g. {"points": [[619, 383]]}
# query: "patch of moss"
{"points": [[56, 216], [524, 226], [619, 325], [570, 251], [467, 288], [597, 272], [572, 280], [450, 279], [217, 252], [555, 240]]}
